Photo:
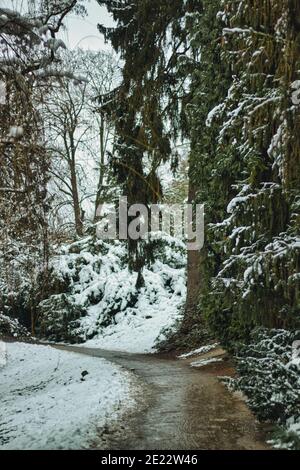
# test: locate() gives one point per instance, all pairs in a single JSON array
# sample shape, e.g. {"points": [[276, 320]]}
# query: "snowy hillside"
{"points": [[97, 302]]}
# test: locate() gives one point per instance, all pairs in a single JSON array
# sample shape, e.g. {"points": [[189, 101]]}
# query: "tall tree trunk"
{"points": [[75, 194], [76, 202], [194, 261], [102, 161]]}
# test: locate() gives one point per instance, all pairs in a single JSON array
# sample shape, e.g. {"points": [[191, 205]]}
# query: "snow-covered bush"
{"points": [[11, 328], [169, 250], [16, 265], [94, 292], [269, 375], [60, 318]]}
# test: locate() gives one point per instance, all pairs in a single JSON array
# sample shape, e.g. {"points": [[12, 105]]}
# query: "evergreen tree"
{"points": [[256, 240], [212, 169], [152, 39]]}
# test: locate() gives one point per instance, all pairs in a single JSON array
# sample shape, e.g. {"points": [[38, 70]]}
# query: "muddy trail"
{"points": [[182, 407]]}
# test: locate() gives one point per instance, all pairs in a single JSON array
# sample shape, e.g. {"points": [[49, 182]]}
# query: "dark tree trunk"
{"points": [[195, 258], [76, 202], [101, 174]]}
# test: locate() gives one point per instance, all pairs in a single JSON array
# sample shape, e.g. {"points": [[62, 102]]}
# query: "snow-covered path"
{"points": [[65, 396], [182, 407], [54, 399]]}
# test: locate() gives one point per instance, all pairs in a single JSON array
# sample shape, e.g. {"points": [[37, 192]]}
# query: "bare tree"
{"points": [[29, 58], [79, 134], [28, 42], [103, 74]]}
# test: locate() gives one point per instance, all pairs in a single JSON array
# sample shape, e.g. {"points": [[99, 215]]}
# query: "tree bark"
{"points": [[76, 204], [194, 262], [102, 161]]}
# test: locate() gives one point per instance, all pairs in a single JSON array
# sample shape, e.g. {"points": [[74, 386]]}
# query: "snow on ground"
{"points": [[136, 334], [47, 403], [206, 362], [202, 350]]}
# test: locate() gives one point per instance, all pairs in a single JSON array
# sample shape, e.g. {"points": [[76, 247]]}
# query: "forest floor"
{"points": [[182, 405]]}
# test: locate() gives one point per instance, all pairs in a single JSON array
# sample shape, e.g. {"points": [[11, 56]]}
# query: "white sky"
{"points": [[83, 32]]}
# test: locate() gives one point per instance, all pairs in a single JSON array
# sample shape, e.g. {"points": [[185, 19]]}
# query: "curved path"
{"points": [[183, 408]]}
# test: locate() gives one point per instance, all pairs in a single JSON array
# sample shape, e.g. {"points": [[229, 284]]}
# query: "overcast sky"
{"points": [[83, 32]]}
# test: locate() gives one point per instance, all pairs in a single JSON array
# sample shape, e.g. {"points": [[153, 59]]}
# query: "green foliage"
{"points": [[240, 59], [169, 251], [152, 39], [59, 319], [212, 167], [11, 328]]}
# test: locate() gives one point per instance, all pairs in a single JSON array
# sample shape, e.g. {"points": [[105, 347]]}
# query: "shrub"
{"points": [[269, 375], [11, 328]]}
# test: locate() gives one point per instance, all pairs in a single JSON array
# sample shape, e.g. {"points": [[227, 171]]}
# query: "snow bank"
{"points": [[206, 362], [204, 349], [49, 401]]}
